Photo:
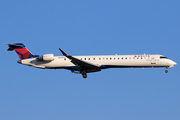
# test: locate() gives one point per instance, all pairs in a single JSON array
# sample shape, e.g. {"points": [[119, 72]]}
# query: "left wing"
{"points": [[82, 65]]}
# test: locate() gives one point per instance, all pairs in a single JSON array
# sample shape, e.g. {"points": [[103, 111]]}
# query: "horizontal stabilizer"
{"points": [[21, 45], [13, 46]]}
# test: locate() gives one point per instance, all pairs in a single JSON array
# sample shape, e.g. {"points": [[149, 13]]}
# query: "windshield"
{"points": [[163, 57]]}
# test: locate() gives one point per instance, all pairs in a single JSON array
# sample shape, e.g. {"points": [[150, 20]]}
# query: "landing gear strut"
{"points": [[84, 74], [166, 70]]}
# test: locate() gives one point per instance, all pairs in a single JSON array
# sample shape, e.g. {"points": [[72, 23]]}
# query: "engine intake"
{"points": [[46, 57]]}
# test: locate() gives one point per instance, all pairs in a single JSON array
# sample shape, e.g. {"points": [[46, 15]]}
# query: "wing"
{"points": [[82, 65]]}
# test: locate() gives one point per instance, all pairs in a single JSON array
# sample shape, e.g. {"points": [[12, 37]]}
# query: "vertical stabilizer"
{"points": [[21, 51]]}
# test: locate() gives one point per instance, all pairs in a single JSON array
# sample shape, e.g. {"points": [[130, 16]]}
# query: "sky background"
{"points": [[90, 27]]}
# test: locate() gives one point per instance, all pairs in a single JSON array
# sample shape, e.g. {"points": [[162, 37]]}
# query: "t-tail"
{"points": [[21, 51]]}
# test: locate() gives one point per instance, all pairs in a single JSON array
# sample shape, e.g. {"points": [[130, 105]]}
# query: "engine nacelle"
{"points": [[46, 57]]}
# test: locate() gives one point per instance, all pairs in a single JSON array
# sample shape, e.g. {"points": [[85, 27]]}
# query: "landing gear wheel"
{"points": [[84, 76], [83, 72], [166, 71]]}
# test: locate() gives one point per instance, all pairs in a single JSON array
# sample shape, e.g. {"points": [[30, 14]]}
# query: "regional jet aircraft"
{"points": [[88, 64]]}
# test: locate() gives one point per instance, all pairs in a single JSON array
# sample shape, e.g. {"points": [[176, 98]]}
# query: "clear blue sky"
{"points": [[94, 27]]}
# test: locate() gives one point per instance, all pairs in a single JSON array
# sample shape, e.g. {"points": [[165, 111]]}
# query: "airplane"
{"points": [[88, 64]]}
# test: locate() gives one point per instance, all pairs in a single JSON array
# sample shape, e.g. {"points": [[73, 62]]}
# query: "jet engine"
{"points": [[46, 57]]}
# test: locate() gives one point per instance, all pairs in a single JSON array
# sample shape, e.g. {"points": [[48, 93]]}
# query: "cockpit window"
{"points": [[163, 57]]}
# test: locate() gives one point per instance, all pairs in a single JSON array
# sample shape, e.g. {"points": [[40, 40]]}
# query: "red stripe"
{"points": [[26, 55], [24, 52]]}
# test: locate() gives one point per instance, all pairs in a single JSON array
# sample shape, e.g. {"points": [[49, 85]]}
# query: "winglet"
{"points": [[65, 54]]}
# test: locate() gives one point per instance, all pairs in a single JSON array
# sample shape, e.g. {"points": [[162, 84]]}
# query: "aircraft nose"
{"points": [[173, 63]]}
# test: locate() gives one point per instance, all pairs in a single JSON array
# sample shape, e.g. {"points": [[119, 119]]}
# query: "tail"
{"points": [[21, 51]]}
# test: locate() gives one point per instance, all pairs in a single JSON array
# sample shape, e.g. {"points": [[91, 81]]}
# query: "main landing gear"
{"points": [[84, 74], [166, 70]]}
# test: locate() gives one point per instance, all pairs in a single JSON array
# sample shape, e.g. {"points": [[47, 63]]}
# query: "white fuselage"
{"points": [[103, 61]]}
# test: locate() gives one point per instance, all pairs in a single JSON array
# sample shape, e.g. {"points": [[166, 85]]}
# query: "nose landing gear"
{"points": [[166, 71], [84, 76]]}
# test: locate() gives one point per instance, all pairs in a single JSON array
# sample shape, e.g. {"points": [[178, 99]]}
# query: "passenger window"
{"points": [[64, 58], [89, 58], [122, 58], [106, 58], [93, 58], [84, 58], [99, 58], [114, 58]]}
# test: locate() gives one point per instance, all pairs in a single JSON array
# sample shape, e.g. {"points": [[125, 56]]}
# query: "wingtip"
{"points": [[60, 49], [65, 54]]}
